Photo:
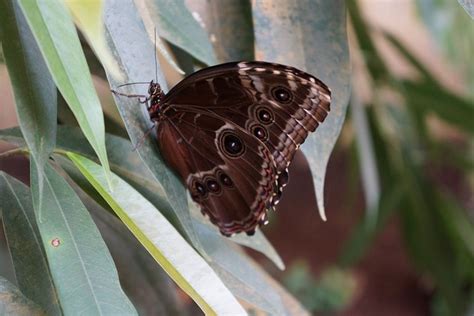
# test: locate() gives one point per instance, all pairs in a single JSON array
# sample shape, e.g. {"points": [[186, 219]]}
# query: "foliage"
{"points": [[437, 229], [331, 292], [451, 27], [52, 218]]}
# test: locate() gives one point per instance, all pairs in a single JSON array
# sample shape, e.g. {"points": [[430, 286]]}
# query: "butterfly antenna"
{"points": [[131, 84], [156, 62]]}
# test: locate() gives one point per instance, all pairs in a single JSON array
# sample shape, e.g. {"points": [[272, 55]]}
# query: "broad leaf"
{"points": [[25, 245], [214, 249], [367, 161], [468, 6], [138, 271], [427, 97], [452, 29], [126, 163], [315, 41], [245, 278], [34, 89], [165, 244], [229, 25], [178, 26], [83, 271], [130, 44], [57, 39], [88, 18], [257, 242]]}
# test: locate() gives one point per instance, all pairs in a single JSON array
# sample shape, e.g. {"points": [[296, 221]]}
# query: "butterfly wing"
{"points": [[230, 173], [231, 131], [279, 105]]}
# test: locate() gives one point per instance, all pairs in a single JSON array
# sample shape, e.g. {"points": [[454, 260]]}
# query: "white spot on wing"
{"points": [[325, 96], [196, 117], [211, 85], [257, 83], [293, 85]]}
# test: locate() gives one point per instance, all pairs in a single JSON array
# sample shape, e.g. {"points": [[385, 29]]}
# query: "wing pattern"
{"points": [[231, 131]]}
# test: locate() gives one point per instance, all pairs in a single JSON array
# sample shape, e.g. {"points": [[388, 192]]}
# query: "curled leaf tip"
{"points": [[322, 213]]}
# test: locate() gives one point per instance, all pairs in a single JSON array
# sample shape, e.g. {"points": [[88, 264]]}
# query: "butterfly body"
{"points": [[230, 132]]}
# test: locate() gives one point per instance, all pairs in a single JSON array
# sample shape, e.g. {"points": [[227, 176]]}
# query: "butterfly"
{"points": [[230, 131]]}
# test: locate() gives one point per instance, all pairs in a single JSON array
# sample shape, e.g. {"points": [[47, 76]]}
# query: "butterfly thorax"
{"points": [[156, 95]]}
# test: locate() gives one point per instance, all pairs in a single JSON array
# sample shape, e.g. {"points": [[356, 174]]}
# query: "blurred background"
{"points": [[399, 239]]}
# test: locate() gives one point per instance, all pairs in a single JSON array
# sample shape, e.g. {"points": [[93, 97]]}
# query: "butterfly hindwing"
{"points": [[227, 171]]}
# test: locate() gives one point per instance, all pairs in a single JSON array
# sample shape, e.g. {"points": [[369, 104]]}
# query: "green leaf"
{"points": [[58, 41], [245, 278], [428, 224], [138, 271], [13, 302], [417, 64], [428, 240], [126, 163], [223, 249], [451, 28], [333, 290], [24, 242], [260, 243], [315, 41], [229, 24], [35, 92], [245, 282], [164, 243], [257, 242], [176, 24], [364, 233], [83, 271], [367, 161], [88, 18], [375, 64], [427, 97], [468, 6], [461, 225], [135, 54]]}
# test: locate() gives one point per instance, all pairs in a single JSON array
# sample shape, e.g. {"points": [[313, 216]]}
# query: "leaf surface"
{"points": [[163, 242], [26, 248], [57, 39], [309, 35], [83, 270]]}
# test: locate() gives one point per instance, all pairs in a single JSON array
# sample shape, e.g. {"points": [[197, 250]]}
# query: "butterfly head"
{"points": [[155, 95]]}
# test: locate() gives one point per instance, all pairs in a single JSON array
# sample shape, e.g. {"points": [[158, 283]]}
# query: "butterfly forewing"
{"points": [[241, 122], [276, 103]]}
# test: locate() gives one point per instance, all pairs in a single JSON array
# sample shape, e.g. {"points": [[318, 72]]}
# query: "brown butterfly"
{"points": [[230, 131]]}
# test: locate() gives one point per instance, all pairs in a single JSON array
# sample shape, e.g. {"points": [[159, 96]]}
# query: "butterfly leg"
{"points": [[145, 136], [139, 96]]}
